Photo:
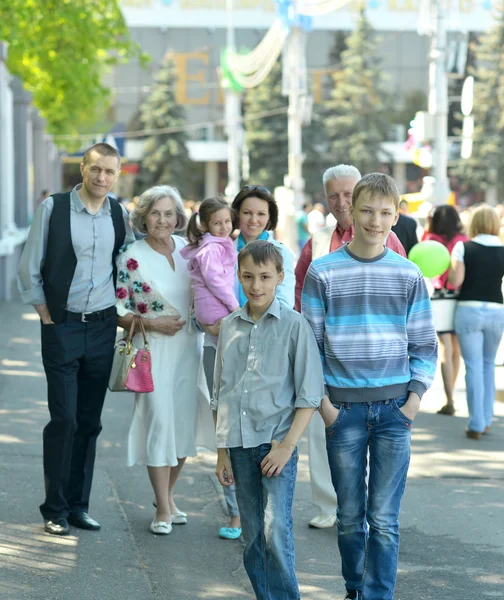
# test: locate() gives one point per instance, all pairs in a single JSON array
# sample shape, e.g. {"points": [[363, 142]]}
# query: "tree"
{"points": [[166, 159], [267, 139], [267, 136], [355, 116], [484, 168], [60, 50]]}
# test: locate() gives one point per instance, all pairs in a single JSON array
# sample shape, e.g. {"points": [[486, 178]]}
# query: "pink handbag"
{"points": [[139, 377]]}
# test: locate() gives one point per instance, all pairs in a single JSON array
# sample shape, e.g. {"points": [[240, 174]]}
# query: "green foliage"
{"points": [[60, 49], [267, 138], [355, 117], [166, 160], [484, 168]]}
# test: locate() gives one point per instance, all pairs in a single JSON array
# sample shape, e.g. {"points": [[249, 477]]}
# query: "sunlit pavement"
{"points": [[452, 544]]}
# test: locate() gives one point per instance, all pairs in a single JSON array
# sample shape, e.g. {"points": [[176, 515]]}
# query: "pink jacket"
{"points": [[212, 269]]}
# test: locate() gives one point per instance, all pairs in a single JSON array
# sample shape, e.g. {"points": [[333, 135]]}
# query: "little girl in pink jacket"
{"points": [[211, 257]]}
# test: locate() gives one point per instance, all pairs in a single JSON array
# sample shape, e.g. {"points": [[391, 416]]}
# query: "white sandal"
{"points": [[160, 527]]}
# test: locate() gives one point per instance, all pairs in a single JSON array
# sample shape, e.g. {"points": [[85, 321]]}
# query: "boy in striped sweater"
{"points": [[371, 315]]}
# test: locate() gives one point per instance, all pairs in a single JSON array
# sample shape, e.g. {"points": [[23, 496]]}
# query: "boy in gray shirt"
{"points": [[268, 382]]}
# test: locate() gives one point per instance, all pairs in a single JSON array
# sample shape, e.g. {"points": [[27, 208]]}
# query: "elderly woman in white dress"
{"points": [[153, 283]]}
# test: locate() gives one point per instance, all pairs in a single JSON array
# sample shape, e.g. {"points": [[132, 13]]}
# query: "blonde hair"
{"points": [[484, 220], [376, 184]]}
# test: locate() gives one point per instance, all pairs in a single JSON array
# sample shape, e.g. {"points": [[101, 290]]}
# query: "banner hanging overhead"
{"points": [[385, 15]]}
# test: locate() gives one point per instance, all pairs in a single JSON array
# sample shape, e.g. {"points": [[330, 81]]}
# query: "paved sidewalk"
{"points": [[452, 522]]}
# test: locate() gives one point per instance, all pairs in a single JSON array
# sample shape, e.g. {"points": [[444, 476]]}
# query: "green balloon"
{"points": [[431, 257]]}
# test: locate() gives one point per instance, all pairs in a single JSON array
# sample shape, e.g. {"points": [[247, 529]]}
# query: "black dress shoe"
{"points": [[56, 526], [83, 521]]}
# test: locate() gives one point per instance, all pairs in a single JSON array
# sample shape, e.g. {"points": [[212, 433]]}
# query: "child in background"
{"points": [[211, 257]]}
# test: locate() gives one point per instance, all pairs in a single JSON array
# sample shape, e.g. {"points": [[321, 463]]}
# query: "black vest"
{"points": [[484, 269], [60, 260]]}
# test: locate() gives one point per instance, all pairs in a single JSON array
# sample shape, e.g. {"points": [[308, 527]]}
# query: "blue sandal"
{"points": [[230, 533]]}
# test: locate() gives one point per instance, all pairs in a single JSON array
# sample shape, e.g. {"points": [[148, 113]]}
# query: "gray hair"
{"points": [[340, 171], [149, 198]]}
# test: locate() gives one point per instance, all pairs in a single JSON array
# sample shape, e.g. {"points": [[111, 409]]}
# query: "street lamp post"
{"points": [[233, 124], [295, 88], [438, 101]]}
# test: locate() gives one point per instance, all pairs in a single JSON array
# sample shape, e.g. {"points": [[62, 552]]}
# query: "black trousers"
{"points": [[77, 359]]}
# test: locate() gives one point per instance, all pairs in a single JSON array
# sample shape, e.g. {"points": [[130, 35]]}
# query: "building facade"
{"points": [[194, 32]]}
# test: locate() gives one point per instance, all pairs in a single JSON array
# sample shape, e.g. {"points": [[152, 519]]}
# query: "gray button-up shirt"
{"points": [[263, 372], [93, 238]]}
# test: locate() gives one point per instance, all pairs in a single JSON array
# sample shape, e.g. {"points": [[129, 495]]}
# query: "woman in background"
{"points": [[478, 268], [447, 229]]}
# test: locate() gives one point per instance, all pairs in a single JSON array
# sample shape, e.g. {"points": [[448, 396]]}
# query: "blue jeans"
{"points": [[266, 515], [368, 520], [479, 331]]}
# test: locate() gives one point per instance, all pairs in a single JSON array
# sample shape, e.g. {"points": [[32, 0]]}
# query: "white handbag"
{"points": [[124, 355], [444, 304]]}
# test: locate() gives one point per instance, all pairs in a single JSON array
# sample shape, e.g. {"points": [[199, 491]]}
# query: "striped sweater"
{"points": [[372, 319]]}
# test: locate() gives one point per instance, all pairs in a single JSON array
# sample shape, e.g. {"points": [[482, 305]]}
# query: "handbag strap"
{"points": [[131, 331], [142, 329], [134, 321]]}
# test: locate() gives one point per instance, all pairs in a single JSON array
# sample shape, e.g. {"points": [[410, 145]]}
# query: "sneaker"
{"points": [[351, 595], [322, 521]]}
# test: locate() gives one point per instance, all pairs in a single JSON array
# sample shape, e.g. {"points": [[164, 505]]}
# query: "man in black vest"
{"points": [[67, 271]]}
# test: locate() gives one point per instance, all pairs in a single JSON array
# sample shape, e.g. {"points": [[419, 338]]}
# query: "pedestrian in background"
{"points": [[338, 182], [478, 268], [447, 229], [379, 350], [43, 195], [406, 231], [316, 218], [154, 284], [303, 231], [268, 382], [67, 271]]}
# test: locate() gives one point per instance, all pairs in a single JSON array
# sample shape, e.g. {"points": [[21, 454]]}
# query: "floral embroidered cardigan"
{"points": [[134, 292]]}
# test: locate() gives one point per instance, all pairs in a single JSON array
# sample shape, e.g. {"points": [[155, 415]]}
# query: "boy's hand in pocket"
{"points": [[412, 406], [276, 459], [328, 412]]}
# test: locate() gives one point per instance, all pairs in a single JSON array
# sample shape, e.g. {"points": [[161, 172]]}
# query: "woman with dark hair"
{"points": [[257, 218], [447, 229]]}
